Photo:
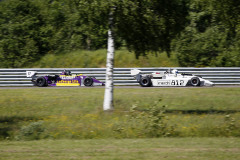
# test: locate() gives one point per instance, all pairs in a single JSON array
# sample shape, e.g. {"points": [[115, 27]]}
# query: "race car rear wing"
{"points": [[31, 73], [135, 72]]}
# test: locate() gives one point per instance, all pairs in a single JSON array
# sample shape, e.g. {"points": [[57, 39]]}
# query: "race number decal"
{"points": [[177, 82]]}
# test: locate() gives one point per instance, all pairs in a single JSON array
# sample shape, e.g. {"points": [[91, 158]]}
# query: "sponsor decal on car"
{"points": [[163, 83], [67, 77], [68, 83]]}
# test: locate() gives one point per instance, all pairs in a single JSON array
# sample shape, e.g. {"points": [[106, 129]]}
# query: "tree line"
{"points": [[200, 32]]}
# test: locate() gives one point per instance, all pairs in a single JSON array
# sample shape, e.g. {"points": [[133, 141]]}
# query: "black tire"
{"points": [[41, 82], [195, 81], [145, 81], [88, 81]]}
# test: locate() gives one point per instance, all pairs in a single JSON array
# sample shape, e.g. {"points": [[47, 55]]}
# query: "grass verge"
{"points": [[114, 149], [56, 113]]}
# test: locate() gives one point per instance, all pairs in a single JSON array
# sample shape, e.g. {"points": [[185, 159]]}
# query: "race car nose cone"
{"points": [[209, 83]]}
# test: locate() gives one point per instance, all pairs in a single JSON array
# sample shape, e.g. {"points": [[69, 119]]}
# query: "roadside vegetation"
{"points": [[201, 33], [118, 149], [97, 59], [76, 113]]}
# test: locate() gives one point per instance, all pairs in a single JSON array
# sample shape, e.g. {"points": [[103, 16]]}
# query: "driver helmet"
{"points": [[64, 72], [68, 73], [175, 71]]}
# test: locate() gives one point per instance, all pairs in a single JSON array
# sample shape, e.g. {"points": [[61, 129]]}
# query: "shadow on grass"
{"points": [[194, 111], [9, 124], [199, 112]]}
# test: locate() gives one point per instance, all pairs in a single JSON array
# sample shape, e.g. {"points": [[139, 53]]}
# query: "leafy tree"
{"points": [[150, 25], [228, 12], [209, 38], [19, 38], [32, 28]]}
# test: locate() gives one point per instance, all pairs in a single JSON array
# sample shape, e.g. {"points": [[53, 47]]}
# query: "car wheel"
{"points": [[195, 81], [88, 81], [41, 82], [145, 81]]}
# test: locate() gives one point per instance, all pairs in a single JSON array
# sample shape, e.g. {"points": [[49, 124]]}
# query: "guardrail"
{"points": [[122, 76]]}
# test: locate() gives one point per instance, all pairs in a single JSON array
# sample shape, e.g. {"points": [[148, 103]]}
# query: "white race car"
{"points": [[169, 78]]}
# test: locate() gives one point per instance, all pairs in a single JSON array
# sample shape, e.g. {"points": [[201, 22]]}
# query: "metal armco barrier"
{"points": [[122, 76]]}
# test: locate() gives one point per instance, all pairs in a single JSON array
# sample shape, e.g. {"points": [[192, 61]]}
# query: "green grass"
{"points": [[92, 59], [127, 149], [76, 113], [37, 102]]}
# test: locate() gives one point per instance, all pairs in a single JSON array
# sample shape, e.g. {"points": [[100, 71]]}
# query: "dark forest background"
{"points": [[200, 32]]}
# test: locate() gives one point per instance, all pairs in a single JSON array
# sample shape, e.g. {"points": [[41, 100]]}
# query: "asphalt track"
{"points": [[61, 87]]}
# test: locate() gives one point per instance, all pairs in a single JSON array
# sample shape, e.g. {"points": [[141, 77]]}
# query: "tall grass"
{"points": [[97, 59], [55, 113]]}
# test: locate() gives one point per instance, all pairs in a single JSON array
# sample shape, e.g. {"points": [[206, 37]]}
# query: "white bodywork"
{"points": [[30, 73], [171, 78]]}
